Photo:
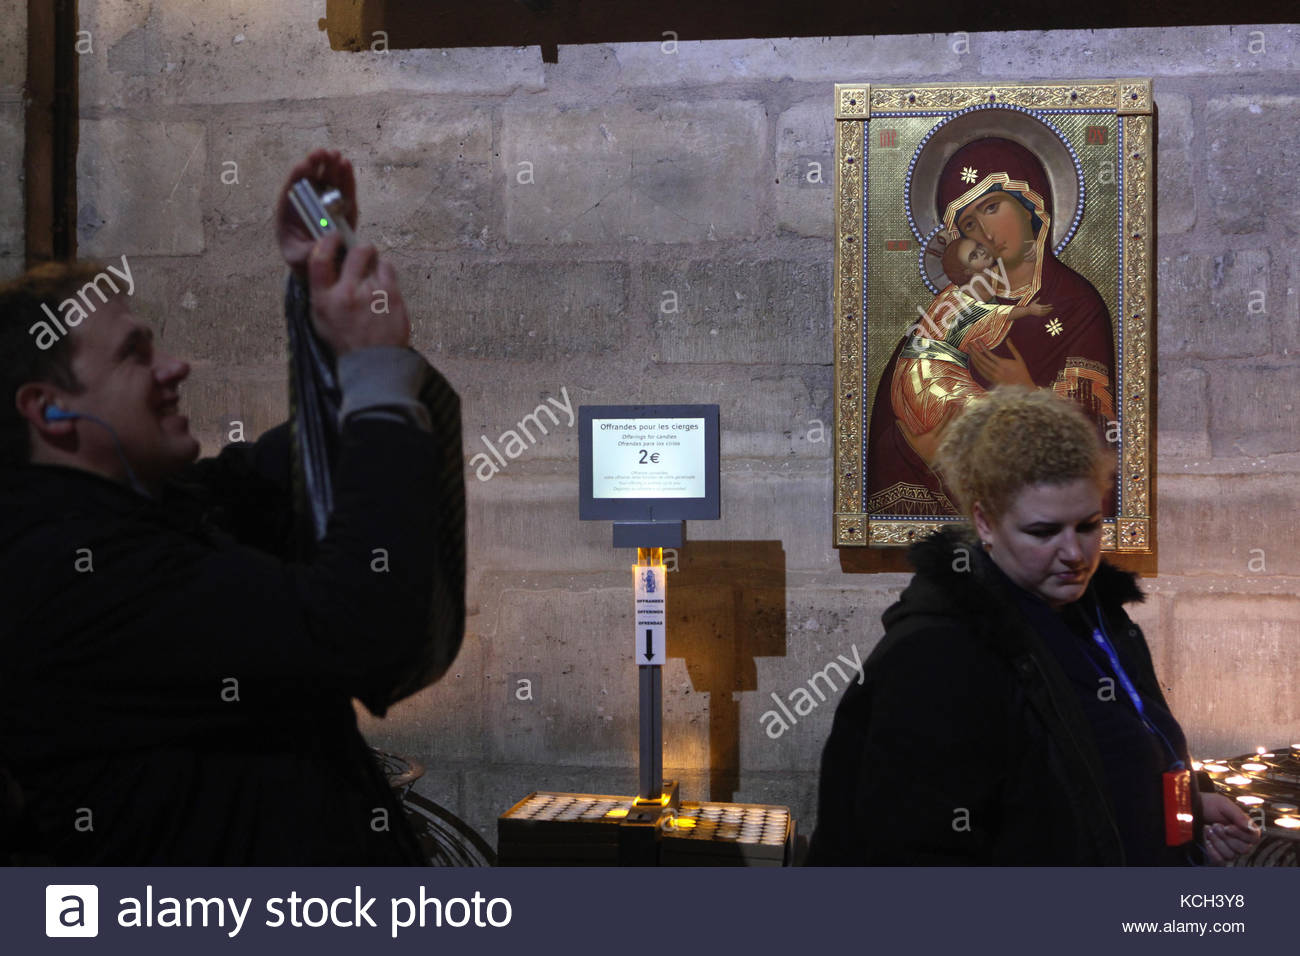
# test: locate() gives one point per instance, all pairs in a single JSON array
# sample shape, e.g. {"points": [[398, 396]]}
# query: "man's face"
{"points": [[1049, 539], [1000, 223], [132, 388]]}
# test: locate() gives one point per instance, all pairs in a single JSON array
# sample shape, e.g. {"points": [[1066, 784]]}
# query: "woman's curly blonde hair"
{"points": [[1014, 437]]}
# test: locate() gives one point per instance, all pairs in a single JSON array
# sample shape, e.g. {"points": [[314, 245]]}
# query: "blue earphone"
{"points": [[53, 413]]}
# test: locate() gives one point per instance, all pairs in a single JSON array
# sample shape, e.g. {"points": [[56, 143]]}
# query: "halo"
{"points": [[1016, 123]]}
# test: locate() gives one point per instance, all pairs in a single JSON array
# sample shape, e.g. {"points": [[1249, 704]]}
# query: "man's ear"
{"points": [[32, 399]]}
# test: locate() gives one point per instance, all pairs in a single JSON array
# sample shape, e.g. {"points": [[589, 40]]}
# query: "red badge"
{"points": [[1178, 807]]}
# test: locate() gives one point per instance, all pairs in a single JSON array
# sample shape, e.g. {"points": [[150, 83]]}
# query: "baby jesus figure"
{"points": [[932, 378]]}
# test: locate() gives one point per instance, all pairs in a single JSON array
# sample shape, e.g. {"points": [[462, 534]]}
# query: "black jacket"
{"points": [[965, 743], [175, 690]]}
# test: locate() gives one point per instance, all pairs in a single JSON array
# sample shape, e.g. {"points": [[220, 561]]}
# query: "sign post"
{"points": [[649, 468], [648, 649]]}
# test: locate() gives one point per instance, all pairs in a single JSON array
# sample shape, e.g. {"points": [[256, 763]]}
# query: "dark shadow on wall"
{"points": [[726, 609]]}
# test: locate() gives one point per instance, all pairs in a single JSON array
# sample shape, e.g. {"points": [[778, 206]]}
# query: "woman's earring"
{"points": [[988, 545]]}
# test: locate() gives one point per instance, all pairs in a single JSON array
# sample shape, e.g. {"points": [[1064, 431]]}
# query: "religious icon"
{"points": [[986, 235]]}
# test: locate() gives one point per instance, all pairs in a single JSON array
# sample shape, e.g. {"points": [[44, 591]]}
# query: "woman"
{"points": [[996, 192], [993, 725]]}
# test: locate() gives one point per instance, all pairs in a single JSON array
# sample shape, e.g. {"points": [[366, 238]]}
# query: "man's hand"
{"points": [[360, 306], [326, 169], [1228, 832]]}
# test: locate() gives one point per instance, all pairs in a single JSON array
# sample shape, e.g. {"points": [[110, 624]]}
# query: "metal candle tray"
{"points": [[576, 829]]}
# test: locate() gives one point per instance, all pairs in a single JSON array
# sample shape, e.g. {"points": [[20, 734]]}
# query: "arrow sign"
{"points": [[650, 582]]}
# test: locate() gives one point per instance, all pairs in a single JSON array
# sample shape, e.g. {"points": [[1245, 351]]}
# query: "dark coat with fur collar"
{"points": [[965, 743]]}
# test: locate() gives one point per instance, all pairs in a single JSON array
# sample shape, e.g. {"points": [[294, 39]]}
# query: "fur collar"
{"points": [[952, 559]]}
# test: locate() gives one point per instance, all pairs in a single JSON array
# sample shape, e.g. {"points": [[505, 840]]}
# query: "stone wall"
{"points": [[13, 74], [548, 219]]}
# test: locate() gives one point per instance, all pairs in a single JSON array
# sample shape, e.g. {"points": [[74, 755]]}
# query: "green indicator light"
{"points": [[324, 223]]}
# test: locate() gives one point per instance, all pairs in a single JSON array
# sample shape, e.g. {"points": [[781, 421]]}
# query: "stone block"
{"points": [[1233, 653], [1179, 51], [521, 523], [250, 155], [1254, 408], [1211, 305], [1182, 412], [443, 722], [790, 505], [677, 172], [532, 311], [532, 522], [811, 59], [1238, 525], [12, 181], [501, 402], [13, 45], [787, 717], [1286, 331], [749, 310], [1253, 183], [580, 705], [164, 53], [226, 402], [1153, 617], [764, 412], [424, 173], [138, 188], [805, 169], [1177, 171], [201, 313]]}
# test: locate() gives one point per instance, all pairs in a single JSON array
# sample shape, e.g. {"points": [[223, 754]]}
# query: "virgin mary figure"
{"points": [[995, 192]]}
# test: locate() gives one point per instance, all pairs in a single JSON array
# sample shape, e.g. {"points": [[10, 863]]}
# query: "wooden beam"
{"points": [[50, 148], [420, 24]]}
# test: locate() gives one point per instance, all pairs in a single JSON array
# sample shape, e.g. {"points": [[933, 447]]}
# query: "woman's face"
{"points": [[1049, 539], [1001, 224]]}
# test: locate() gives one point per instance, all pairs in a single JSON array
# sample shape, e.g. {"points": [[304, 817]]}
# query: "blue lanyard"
{"points": [[1101, 639]]}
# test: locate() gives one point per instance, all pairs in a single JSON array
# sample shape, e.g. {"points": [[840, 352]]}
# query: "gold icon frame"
{"points": [[1119, 250]]}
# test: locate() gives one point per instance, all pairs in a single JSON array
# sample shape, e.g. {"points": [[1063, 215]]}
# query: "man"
{"points": [[176, 686]]}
